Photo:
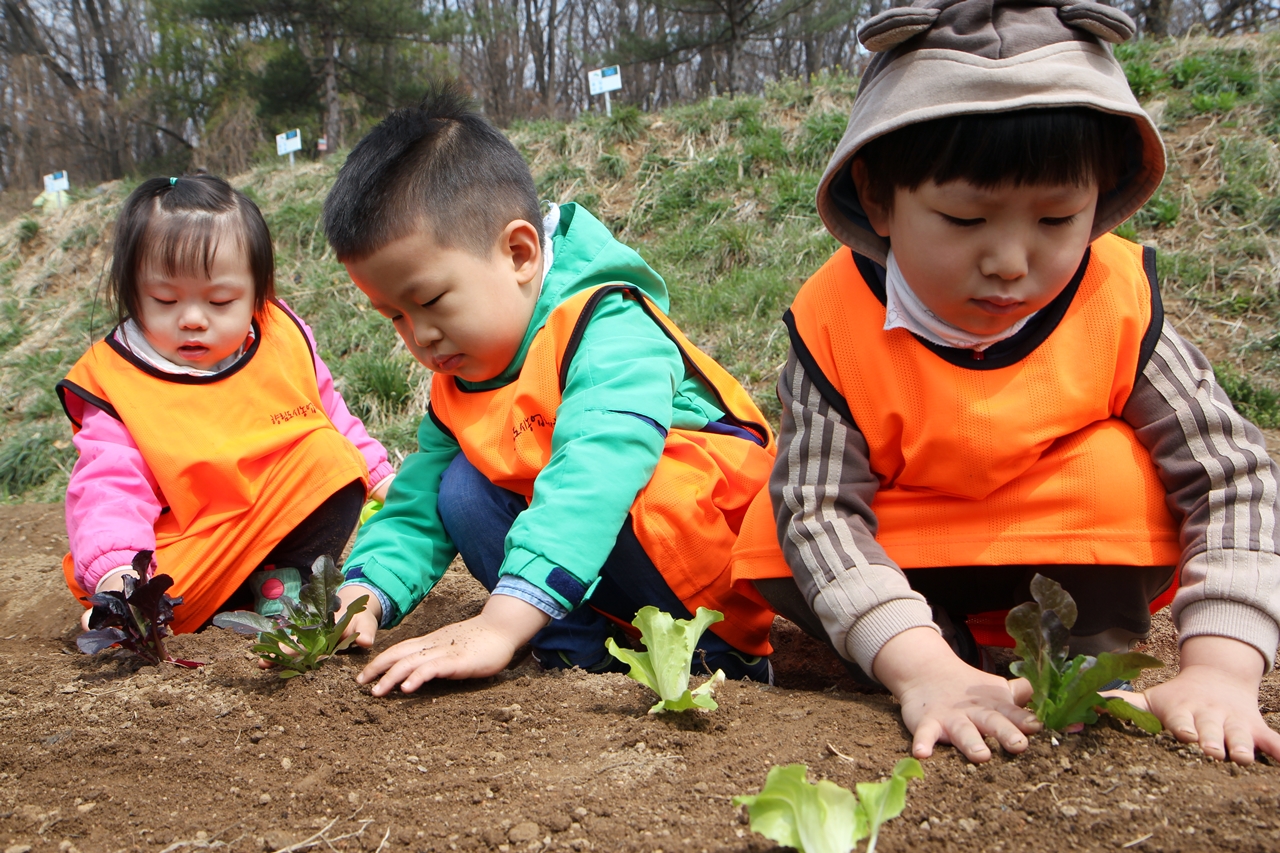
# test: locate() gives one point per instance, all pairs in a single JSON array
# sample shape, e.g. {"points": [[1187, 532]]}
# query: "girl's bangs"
{"points": [[185, 242]]}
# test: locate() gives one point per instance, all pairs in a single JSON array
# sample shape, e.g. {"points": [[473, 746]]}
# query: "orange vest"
{"points": [[241, 458], [1025, 464], [688, 516]]}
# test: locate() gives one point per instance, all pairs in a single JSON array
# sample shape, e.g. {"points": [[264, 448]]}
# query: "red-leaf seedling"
{"points": [[135, 618]]}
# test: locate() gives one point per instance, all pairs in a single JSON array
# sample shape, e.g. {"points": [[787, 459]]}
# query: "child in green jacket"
{"points": [[583, 457]]}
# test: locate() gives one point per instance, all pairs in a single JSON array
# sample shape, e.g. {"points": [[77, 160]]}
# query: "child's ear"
{"points": [[877, 213], [519, 242]]}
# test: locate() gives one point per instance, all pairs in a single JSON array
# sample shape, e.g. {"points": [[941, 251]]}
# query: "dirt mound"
{"points": [[97, 754]]}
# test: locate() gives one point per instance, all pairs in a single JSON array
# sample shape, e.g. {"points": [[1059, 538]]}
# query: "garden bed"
{"points": [[97, 754]]}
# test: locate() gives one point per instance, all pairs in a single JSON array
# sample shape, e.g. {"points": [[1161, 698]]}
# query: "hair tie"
{"points": [[173, 181]]}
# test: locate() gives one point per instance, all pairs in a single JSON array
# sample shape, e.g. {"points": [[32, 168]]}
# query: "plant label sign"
{"points": [[604, 80], [288, 142], [57, 182]]}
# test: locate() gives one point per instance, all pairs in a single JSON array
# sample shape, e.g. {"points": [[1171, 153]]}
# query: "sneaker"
{"points": [[736, 666], [560, 660], [269, 584]]}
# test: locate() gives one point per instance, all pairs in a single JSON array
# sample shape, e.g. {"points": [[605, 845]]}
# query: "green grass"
{"points": [[718, 197]]}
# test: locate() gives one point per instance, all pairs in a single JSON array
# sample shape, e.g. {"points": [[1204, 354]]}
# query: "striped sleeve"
{"points": [[822, 487], [1222, 490]]}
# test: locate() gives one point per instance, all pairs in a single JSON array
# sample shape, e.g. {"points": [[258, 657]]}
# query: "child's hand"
{"points": [[379, 492], [478, 647], [944, 700], [363, 625], [113, 581], [1213, 700]]}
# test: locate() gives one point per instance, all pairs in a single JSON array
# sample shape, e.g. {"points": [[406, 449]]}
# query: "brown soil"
{"points": [[98, 754]]}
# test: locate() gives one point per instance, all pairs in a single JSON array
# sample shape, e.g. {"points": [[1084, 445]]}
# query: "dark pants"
{"points": [[477, 515], [325, 531], [1114, 602]]}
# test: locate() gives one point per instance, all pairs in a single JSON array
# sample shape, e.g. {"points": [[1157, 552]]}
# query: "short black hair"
{"points": [[440, 166], [1067, 146], [178, 224]]}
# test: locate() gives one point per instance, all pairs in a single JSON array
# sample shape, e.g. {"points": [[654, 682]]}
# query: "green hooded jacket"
{"points": [[627, 386]]}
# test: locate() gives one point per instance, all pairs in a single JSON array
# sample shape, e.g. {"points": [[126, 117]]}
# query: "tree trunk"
{"points": [[333, 113], [1155, 17]]}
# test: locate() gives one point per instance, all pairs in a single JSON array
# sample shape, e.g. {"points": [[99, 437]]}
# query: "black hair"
{"points": [[179, 223], [1068, 146], [440, 166]]}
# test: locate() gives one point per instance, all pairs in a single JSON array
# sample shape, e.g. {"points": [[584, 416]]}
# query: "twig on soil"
{"points": [[320, 837], [204, 843], [383, 842], [838, 754], [1135, 842]]}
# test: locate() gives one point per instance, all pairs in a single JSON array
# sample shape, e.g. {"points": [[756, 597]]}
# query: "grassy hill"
{"points": [[718, 196]]}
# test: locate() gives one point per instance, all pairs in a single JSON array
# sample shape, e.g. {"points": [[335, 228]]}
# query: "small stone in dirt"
{"points": [[968, 824], [85, 808], [507, 714], [580, 811], [69, 688], [558, 822], [286, 764], [700, 788], [264, 799], [18, 848], [493, 836], [256, 737], [924, 824], [524, 832], [1069, 811]]}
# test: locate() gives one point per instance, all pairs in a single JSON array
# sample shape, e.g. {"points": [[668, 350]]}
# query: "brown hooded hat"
{"points": [[942, 58]]}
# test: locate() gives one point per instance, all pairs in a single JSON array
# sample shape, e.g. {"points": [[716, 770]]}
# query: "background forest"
{"points": [[111, 88]]}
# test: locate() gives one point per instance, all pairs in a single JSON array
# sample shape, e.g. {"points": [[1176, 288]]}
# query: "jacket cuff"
{"points": [[377, 475], [375, 576], [859, 636], [103, 565], [530, 594], [390, 615], [1221, 618], [554, 582]]}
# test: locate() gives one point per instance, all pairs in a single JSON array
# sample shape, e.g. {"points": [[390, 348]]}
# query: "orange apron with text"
{"points": [[240, 458], [1027, 464], [688, 516]]}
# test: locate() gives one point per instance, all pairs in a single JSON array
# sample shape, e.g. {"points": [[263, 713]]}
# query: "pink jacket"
{"points": [[113, 500]]}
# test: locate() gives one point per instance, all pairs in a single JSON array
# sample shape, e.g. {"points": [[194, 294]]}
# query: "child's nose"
{"points": [[192, 318], [1007, 260], [425, 334]]}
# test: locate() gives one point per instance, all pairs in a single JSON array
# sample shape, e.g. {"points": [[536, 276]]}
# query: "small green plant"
{"points": [[1066, 692], [625, 125], [1259, 405], [664, 668], [135, 618], [826, 818], [27, 231], [305, 635]]}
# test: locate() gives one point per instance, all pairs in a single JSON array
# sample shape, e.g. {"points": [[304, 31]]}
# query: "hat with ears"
{"points": [[942, 58]]}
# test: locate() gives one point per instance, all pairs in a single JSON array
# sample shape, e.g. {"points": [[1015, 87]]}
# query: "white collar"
{"points": [[131, 335], [904, 310]]}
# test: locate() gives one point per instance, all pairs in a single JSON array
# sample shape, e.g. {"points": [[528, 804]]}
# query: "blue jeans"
{"points": [[477, 515]]}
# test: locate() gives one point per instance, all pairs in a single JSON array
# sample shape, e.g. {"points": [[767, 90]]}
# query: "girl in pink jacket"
{"points": [[209, 429]]}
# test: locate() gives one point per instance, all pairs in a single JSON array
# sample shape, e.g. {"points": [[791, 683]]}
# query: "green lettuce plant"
{"points": [[1066, 692], [305, 635], [826, 818], [664, 668]]}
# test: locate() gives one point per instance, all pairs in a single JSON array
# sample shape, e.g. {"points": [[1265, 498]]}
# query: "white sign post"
{"points": [[287, 143], [56, 186], [603, 81]]}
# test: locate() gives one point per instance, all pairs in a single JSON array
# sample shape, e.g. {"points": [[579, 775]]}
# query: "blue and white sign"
{"points": [[57, 182], [604, 80], [288, 142]]}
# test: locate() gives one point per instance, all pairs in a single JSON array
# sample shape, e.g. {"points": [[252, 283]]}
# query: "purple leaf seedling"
{"points": [[135, 618]]}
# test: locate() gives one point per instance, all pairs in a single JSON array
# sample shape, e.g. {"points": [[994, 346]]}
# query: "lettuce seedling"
{"points": [[826, 818], [305, 634], [135, 618], [1066, 692], [664, 668]]}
